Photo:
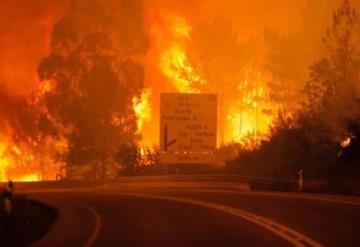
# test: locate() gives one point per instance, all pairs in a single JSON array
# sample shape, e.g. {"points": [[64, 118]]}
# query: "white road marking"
{"points": [[318, 197], [321, 198], [295, 238], [90, 241], [291, 195]]}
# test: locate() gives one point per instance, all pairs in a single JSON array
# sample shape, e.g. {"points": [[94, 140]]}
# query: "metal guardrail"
{"points": [[255, 183]]}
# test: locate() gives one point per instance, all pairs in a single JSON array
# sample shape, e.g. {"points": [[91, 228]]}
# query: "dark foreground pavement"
{"points": [[179, 216], [131, 221]]}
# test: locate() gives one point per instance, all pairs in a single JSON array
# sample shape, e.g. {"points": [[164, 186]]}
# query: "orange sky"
{"points": [[248, 17], [25, 28]]}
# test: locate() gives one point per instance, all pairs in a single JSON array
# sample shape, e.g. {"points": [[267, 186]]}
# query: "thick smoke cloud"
{"points": [[26, 33], [25, 30], [26, 26]]}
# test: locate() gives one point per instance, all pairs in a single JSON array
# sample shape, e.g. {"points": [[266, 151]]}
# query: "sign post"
{"points": [[188, 124]]}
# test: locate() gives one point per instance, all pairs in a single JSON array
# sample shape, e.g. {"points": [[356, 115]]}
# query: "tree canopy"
{"points": [[90, 77]]}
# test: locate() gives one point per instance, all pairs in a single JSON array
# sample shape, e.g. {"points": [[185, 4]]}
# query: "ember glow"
{"points": [[346, 142]]}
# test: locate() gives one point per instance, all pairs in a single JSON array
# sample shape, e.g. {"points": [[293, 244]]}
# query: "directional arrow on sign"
{"points": [[166, 142]]}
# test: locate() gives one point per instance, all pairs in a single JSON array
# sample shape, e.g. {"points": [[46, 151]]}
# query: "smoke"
{"points": [[281, 37], [107, 34], [25, 30], [248, 18], [26, 26], [275, 41]]}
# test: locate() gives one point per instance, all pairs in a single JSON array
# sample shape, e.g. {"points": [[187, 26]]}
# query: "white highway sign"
{"points": [[188, 124]]}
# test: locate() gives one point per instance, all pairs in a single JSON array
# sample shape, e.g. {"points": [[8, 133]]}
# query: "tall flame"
{"points": [[4, 162], [16, 166], [142, 108], [173, 61], [247, 112], [174, 64], [251, 116], [31, 163]]}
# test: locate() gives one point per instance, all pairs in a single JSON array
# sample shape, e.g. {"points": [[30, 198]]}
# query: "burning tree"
{"points": [[90, 78], [334, 91], [217, 53], [288, 56], [18, 119], [229, 67], [318, 136], [335, 79]]}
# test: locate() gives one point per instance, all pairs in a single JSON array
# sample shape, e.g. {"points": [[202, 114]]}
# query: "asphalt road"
{"points": [[126, 215]]}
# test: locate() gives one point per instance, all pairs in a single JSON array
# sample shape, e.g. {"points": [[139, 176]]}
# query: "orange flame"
{"points": [[15, 166], [346, 142], [247, 112], [171, 36], [142, 108], [252, 115], [30, 164], [246, 116]]}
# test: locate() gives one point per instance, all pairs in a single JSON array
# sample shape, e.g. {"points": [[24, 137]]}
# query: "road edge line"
{"points": [[304, 196], [98, 224], [292, 236]]}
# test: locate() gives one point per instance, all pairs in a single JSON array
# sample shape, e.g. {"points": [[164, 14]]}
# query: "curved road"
{"points": [[118, 215]]}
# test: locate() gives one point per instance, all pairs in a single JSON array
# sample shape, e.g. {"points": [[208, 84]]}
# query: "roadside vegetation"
{"points": [[323, 137]]}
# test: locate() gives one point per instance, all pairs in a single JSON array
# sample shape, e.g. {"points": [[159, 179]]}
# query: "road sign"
{"points": [[188, 158], [188, 124]]}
